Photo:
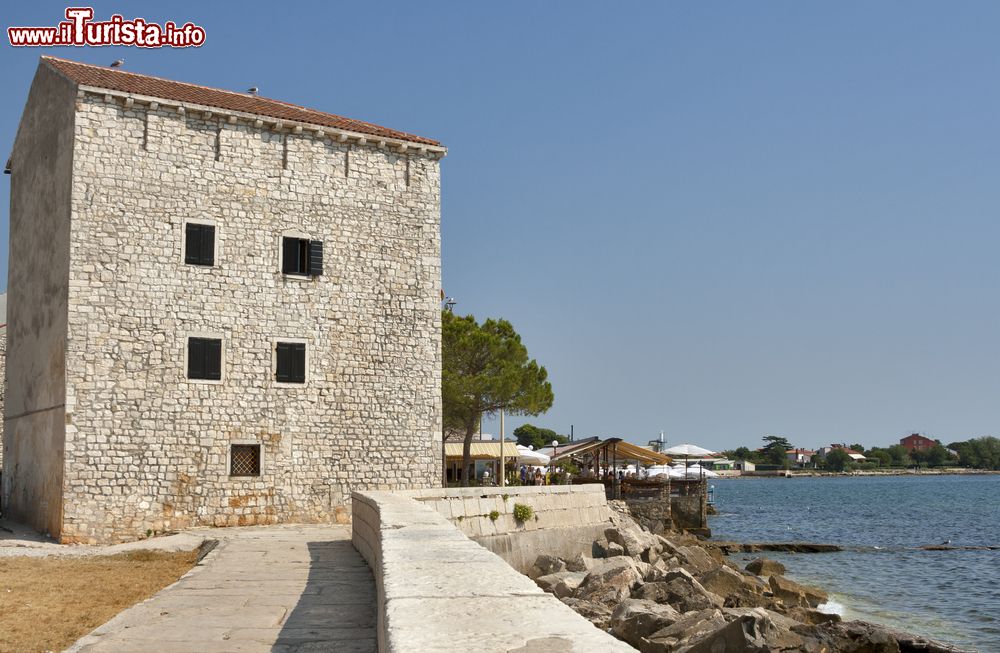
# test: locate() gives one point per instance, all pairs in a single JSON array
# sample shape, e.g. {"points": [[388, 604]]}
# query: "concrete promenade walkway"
{"points": [[280, 589]]}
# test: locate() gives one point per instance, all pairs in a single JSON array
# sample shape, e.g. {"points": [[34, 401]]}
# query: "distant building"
{"points": [[917, 442], [800, 457], [745, 466], [856, 456]]}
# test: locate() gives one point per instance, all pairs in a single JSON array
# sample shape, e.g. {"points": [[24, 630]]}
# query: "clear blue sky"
{"points": [[720, 220]]}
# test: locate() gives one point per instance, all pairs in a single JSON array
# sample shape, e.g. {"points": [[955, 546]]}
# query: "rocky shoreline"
{"points": [[678, 594]]}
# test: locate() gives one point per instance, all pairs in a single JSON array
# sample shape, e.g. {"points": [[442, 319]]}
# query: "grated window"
{"points": [[244, 460]]}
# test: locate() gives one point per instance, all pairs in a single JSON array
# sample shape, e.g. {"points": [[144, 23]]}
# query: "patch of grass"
{"points": [[49, 603]]}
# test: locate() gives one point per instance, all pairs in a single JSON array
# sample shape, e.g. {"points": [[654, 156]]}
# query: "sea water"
{"points": [[882, 575]]}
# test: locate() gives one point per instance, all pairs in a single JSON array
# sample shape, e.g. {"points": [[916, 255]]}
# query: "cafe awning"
{"points": [[619, 449], [482, 450]]}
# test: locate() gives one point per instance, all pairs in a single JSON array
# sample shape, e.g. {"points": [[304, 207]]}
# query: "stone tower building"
{"points": [[223, 308]]}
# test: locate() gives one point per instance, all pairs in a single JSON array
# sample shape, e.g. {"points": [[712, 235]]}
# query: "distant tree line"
{"points": [[978, 453]]}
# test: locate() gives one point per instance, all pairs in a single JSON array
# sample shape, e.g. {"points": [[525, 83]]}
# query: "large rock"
{"points": [[635, 619], [629, 537], [680, 590], [793, 594], [580, 562], [611, 581], [548, 582], [614, 549], [545, 565], [569, 584], [765, 567], [690, 626], [597, 613], [725, 582], [747, 634], [749, 631], [849, 637], [696, 560], [812, 616]]}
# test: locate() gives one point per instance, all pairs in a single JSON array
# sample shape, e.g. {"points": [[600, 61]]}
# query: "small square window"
{"points": [[199, 244], [291, 362], [244, 460], [205, 358], [301, 256]]}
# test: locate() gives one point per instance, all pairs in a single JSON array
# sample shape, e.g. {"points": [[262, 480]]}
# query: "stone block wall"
{"points": [[38, 268], [567, 518], [148, 449]]}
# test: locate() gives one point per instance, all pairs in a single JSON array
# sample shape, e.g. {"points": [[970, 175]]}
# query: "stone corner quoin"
{"points": [[106, 435]]}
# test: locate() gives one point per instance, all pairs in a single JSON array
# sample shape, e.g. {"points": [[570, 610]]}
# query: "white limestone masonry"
{"points": [[147, 449], [566, 518], [438, 590]]}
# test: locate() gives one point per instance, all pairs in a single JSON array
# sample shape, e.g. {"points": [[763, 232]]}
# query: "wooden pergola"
{"points": [[611, 452]]}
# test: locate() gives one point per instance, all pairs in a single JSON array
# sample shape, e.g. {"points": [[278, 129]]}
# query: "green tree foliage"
{"points": [[776, 449], [938, 455], [533, 436], [744, 453], [900, 455], [857, 446], [838, 460], [981, 453], [880, 454], [485, 368]]}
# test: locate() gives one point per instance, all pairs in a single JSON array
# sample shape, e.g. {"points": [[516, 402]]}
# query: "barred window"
{"points": [[244, 460]]}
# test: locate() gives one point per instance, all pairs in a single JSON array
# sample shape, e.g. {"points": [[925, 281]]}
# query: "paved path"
{"points": [[280, 589]]}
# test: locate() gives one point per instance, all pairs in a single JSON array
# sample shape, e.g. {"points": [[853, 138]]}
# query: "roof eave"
{"points": [[343, 135]]}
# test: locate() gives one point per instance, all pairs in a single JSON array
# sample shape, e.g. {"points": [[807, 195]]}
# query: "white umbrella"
{"points": [[688, 451], [698, 471], [526, 456], [656, 470]]}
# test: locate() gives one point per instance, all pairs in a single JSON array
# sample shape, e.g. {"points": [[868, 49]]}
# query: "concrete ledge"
{"points": [[439, 590]]}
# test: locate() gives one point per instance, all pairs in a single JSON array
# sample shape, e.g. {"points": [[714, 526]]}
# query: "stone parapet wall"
{"points": [[567, 518], [440, 591]]}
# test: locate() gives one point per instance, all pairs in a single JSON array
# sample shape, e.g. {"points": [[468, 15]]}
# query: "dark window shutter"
{"points": [[192, 244], [207, 244], [283, 371], [199, 244], [213, 359], [291, 367], [290, 255], [196, 358], [299, 362], [315, 258]]}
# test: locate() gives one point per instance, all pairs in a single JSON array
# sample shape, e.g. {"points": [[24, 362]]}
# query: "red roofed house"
{"points": [[917, 442]]}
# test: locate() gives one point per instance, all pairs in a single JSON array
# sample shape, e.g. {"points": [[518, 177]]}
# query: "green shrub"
{"points": [[494, 515], [523, 513]]}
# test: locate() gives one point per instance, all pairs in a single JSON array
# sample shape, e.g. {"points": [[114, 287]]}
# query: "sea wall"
{"points": [[438, 590], [566, 520]]}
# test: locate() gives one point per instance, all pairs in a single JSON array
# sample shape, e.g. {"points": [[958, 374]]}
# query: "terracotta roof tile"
{"points": [[126, 82]]}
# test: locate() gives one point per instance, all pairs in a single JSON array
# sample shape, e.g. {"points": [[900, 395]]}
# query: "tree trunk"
{"points": [[470, 430]]}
